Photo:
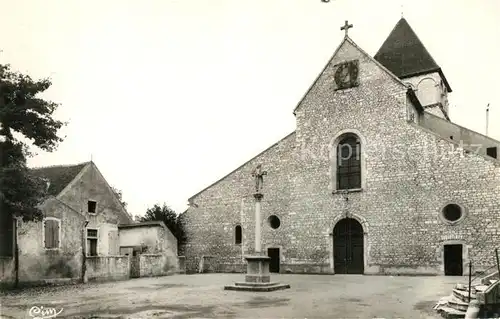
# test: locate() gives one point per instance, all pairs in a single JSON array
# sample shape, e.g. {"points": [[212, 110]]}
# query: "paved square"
{"points": [[202, 296]]}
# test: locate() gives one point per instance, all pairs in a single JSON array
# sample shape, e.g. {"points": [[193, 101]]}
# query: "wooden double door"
{"points": [[348, 247]]}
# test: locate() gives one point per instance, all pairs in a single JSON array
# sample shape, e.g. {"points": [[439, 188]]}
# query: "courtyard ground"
{"points": [[202, 296]]}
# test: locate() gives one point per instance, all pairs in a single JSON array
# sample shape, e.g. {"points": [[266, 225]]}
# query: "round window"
{"points": [[452, 212], [274, 221]]}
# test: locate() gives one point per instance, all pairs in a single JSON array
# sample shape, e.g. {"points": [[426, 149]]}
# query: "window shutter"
{"points": [[56, 234], [47, 235], [51, 233]]}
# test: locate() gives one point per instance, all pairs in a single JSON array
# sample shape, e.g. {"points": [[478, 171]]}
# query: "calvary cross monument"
{"points": [[258, 277]]}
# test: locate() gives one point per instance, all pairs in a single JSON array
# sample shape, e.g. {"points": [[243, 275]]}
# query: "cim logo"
{"points": [[43, 312]]}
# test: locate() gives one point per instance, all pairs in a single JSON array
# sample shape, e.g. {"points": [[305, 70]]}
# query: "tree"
{"points": [[119, 195], [30, 117], [171, 220]]}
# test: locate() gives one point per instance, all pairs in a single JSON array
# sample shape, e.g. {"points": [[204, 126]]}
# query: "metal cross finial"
{"points": [[346, 27], [402, 10]]}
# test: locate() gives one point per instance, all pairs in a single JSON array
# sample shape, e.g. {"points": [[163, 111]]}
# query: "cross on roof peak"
{"points": [[346, 27]]}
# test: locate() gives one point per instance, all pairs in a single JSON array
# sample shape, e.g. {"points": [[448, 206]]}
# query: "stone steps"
{"points": [[481, 288], [448, 312], [252, 286], [456, 305], [463, 295], [450, 305]]}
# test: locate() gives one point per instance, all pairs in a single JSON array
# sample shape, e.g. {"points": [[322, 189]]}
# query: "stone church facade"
{"points": [[376, 178]]}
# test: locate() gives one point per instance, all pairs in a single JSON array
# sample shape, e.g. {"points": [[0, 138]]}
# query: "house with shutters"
{"points": [[78, 238]]}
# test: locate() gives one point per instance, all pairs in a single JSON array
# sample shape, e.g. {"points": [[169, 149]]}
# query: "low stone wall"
{"points": [[232, 268], [7, 275], [207, 264], [402, 270], [305, 268], [152, 265], [50, 264], [104, 268], [212, 264]]}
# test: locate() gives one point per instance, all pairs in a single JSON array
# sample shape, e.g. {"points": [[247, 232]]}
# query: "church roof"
{"points": [[404, 55], [59, 176]]}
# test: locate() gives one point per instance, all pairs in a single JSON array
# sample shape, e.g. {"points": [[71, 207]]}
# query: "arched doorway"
{"points": [[348, 247]]}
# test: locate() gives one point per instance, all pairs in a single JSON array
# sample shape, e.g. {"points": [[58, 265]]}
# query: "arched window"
{"points": [[237, 235], [349, 163]]}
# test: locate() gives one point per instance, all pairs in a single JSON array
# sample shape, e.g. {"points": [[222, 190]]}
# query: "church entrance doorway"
{"points": [[348, 247], [453, 262], [274, 264]]}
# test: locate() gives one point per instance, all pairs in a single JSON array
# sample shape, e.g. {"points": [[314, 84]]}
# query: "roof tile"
{"points": [[404, 54], [59, 176]]}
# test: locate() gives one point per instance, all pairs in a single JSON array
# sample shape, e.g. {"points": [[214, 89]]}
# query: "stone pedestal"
{"points": [[258, 269], [258, 277]]}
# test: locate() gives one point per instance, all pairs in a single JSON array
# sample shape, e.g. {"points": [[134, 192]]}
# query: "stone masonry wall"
{"points": [[37, 263], [7, 276], [109, 213], [409, 175], [105, 268], [93, 186], [152, 265]]}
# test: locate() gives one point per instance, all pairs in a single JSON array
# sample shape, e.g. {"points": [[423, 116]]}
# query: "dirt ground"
{"points": [[202, 296]]}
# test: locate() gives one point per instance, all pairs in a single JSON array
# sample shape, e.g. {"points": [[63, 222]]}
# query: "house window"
{"points": [[92, 207], [492, 152], [349, 163], [237, 235], [51, 233], [91, 242]]}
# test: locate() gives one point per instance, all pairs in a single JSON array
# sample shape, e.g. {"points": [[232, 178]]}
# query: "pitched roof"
{"points": [[404, 55], [59, 176]]}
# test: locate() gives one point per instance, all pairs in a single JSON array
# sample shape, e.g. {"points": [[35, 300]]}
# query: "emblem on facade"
{"points": [[346, 75]]}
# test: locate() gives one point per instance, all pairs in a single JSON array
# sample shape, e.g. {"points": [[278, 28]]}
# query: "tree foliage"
{"points": [[23, 112], [119, 195], [171, 220]]}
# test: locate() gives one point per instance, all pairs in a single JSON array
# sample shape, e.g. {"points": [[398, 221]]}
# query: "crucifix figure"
{"points": [[258, 173], [346, 27]]}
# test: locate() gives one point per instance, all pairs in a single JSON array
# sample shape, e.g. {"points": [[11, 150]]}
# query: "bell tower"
{"points": [[405, 56]]}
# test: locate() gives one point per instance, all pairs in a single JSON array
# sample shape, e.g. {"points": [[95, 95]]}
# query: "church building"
{"points": [[375, 179]]}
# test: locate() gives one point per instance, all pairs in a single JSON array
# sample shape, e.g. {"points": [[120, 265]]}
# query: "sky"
{"points": [[168, 96]]}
